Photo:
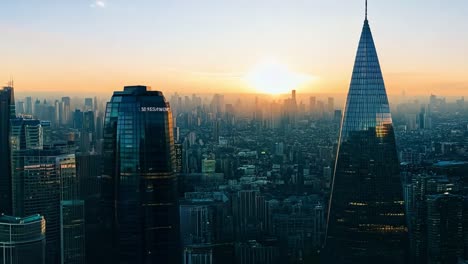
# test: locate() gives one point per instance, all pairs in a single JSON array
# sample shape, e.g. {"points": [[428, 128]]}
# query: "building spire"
{"points": [[366, 10]]}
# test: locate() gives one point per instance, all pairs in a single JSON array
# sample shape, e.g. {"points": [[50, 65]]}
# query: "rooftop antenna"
{"points": [[366, 9], [10, 82]]}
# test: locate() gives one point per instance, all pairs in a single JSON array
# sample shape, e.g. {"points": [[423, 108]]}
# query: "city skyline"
{"points": [[205, 132], [210, 47]]}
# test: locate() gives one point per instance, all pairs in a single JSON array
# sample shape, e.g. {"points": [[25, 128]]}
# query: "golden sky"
{"points": [[210, 46]]}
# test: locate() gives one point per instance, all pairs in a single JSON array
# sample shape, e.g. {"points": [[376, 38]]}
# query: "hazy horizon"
{"points": [[209, 47]]}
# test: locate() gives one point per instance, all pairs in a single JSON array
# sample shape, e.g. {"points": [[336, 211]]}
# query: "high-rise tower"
{"points": [[139, 185], [366, 221], [7, 112], [22, 239]]}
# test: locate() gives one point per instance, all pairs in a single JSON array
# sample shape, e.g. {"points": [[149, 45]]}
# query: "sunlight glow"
{"points": [[274, 78]]}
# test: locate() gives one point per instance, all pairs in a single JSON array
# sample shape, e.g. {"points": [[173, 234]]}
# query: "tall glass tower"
{"points": [[366, 221], [7, 112], [22, 239], [139, 186]]}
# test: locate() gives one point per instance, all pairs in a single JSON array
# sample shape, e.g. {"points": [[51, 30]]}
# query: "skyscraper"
{"points": [[366, 222], [29, 106], [36, 189], [65, 111], [7, 112], [78, 119], [20, 107], [88, 170], [196, 224], [88, 104], [72, 212], [422, 187], [198, 254], [139, 186], [22, 240], [25, 134], [445, 228], [331, 104]]}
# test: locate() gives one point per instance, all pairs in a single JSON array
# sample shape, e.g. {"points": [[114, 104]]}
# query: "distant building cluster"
{"points": [[235, 179], [242, 182]]}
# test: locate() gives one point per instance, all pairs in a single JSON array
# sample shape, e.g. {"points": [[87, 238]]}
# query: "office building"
{"points": [[256, 252], [331, 105], [26, 134], [366, 221], [88, 122], [72, 212], [29, 106], [66, 114], [88, 169], [196, 222], [37, 189], [445, 236], [198, 255], [78, 117], [20, 107], [139, 185], [88, 104], [22, 240], [7, 112]]}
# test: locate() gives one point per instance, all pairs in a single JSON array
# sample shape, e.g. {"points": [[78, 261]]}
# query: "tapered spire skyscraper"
{"points": [[366, 221]]}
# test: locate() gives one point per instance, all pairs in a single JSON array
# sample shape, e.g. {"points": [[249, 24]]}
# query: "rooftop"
{"points": [[138, 90], [448, 163], [20, 220]]}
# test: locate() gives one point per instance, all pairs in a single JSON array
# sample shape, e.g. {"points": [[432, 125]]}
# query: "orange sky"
{"points": [[208, 46]]}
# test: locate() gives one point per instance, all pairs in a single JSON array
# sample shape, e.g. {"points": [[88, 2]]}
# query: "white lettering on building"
{"points": [[154, 109]]}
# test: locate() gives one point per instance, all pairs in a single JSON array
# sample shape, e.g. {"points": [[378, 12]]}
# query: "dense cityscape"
{"points": [[148, 176]]}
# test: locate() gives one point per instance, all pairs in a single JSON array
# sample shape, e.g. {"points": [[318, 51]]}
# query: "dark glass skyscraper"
{"points": [[22, 240], [88, 169], [72, 212], [37, 190], [445, 228], [366, 222], [139, 186], [7, 112]]}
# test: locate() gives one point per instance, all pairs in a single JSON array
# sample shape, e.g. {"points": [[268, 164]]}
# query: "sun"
{"points": [[274, 78]]}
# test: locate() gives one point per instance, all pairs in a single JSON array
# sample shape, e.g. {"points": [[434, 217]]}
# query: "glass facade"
{"points": [[445, 234], [198, 255], [72, 212], [26, 134], [139, 186], [7, 112], [72, 231], [37, 190], [41, 179], [22, 240], [88, 169], [366, 221]]}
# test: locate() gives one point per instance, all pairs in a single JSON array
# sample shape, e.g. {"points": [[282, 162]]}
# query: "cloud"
{"points": [[99, 4]]}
